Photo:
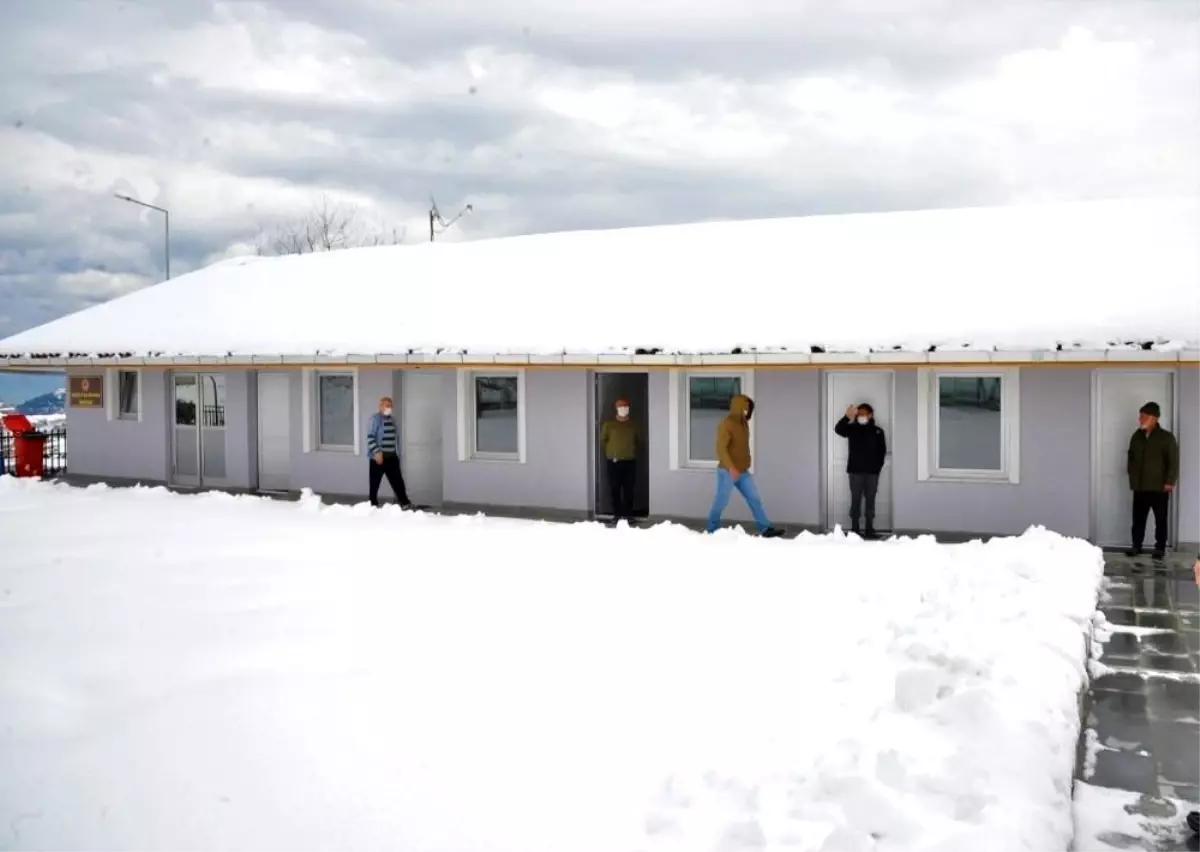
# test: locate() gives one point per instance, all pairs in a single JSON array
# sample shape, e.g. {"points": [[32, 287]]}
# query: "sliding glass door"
{"points": [[198, 452]]}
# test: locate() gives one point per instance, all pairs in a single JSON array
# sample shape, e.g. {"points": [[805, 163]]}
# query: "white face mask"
{"points": [[387, 412], [622, 411], [863, 421]]}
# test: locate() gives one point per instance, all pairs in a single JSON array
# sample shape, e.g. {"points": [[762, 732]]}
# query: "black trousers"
{"points": [[622, 474], [391, 469], [863, 485], [1145, 502]]}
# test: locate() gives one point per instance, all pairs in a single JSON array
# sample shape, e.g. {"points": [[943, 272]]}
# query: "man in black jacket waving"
{"points": [[868, 450]]}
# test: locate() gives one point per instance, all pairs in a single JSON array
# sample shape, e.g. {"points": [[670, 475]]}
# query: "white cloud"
{"points": [[98, 285], [242, 249], [552, 113]]}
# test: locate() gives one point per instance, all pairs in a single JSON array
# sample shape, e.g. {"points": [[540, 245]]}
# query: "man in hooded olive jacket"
{"points": [[733, 467]]}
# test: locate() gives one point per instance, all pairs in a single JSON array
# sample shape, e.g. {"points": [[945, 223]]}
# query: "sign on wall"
{"points": [[85, 391]]}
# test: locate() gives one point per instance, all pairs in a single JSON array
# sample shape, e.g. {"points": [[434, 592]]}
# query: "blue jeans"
{"points": [[744, 484]]}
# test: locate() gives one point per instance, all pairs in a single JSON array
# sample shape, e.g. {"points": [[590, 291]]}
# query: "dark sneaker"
{"points": [[1133, 551], [1193, 821], [871, 533], [1158, 554], [772, 532]]}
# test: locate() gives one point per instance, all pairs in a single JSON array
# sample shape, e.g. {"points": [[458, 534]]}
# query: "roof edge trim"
{"points": [[944, 358]]}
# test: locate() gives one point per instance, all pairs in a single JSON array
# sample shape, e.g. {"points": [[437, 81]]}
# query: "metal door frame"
{"points": [[198, 481], [594, 445], [186, 481], [1172, 376], [827, 437]]}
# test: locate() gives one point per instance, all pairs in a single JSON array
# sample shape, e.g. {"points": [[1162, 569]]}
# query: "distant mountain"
{"points": [[17, 386], [47, 403]]}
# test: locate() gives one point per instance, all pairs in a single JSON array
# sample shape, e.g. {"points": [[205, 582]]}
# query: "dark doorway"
{"points": [[635, 388]]}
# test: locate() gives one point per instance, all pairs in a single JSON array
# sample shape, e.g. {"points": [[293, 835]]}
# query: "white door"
{"points": [[421, 398], [274, 431], [852, 387], [1117, 396]]}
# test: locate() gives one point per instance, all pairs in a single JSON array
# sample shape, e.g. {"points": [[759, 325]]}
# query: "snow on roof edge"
{"points": [[320, 333], [1163, 346]]}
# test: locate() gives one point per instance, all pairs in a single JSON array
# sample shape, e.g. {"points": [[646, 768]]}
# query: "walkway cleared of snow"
{"points": [[219, 672], [1118, 819]]}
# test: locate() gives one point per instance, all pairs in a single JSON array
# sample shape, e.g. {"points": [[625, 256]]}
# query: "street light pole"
{"points": [[167, 226]]}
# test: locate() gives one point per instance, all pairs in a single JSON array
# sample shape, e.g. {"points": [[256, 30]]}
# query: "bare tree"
{"points": [[327, 226]]}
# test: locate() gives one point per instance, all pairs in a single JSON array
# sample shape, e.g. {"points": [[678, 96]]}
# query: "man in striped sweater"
{"points": [[383, 447]]}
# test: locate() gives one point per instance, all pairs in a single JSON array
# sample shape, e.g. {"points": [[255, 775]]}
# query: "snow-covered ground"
{"points": [[43, 421], [218, 672], [49, 421]]}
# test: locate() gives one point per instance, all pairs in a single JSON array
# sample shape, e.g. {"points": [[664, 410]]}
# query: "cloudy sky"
{"points": [[557, 114]]}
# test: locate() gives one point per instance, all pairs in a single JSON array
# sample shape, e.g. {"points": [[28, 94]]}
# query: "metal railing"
{"points": [[212, 416], [54, 452]]}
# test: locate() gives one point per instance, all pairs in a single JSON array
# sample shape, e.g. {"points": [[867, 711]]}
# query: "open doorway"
{"points": [[635, 389]]}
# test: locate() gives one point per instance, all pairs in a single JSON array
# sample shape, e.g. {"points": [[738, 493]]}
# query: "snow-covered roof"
{"points": [[1092, 275]]}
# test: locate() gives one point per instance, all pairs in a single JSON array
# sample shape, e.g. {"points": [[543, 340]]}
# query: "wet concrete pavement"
{"points": [[1145, 711]]}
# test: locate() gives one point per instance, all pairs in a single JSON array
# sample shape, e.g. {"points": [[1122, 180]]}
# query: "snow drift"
{"points": [[220, 672]]}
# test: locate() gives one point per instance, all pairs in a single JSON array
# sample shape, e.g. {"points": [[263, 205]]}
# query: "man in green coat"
{"points": [[619, 442], [1153, 465]]}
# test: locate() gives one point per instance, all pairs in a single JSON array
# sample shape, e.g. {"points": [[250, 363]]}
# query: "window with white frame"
{"points": [[123, 394], [492, 415], [969, 424], [335, 424], [128, 395], [699, 400]]}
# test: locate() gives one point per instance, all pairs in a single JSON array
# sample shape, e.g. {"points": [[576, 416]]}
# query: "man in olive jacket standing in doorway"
{"points": [[1153, 464], [619, 442]]}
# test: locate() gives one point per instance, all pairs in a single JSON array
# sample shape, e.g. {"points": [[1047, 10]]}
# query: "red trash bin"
{"points": [[29, 443]]}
